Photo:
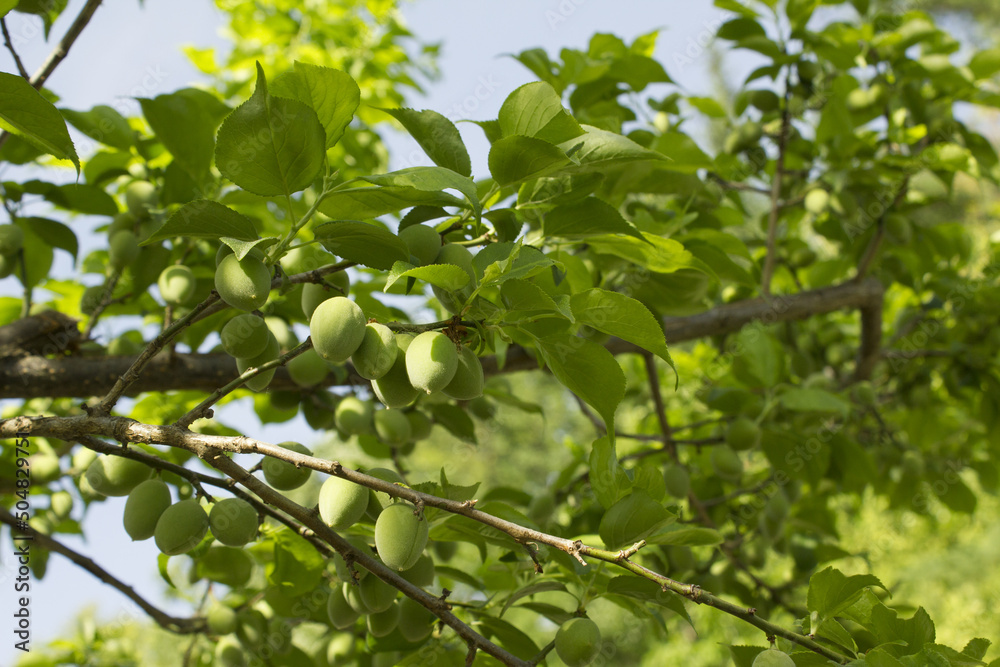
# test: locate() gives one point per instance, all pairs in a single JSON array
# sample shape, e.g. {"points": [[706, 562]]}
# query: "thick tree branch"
{"points": [[164, 620], [35, 376], [211, 449]]}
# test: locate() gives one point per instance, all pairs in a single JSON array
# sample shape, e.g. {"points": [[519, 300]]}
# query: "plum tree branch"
{"points": [[13, 52], [212, 449], [35, 376], [770, 260], [164, 620]]}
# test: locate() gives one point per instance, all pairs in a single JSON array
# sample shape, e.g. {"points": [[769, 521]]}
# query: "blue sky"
{"points": [[131, 51]]}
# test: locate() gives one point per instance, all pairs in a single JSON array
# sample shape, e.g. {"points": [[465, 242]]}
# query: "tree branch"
{"points": [[10, 47], [772, 219], [164, 620]]}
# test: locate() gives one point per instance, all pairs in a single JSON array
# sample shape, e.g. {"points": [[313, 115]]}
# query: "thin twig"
{"points": [[866, 260], [772, 218], [10, 47]]}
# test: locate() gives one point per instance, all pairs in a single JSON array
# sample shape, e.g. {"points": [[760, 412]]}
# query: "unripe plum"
{"points": [[337, 328], [177, 284], [578, 642], [181, 527], [245, 336], [115, 475], [342, 502], [431, 361], [467, 383], [400, 536], [233, 522], [377, 352], [243, 284], [145, 504], [283, 475]]}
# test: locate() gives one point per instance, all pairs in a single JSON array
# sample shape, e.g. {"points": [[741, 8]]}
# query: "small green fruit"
{"points": [[260, 381], [865, 395], [772, 657], [376, 594], [382, 623], [229, 653], [140, 197], [314, 294], [431, 361], [44, 468], [578, 642], [392, 426], [394, 388], [467, 383], [353, 596], [377, 352], [400, 536], [422, 573], [181, 527], [743, 434], [11, 240], [231, 566], [423, 242], [233, 522], [415, 621], [61, 504], [244, 284], [726, 463], [252, 629], [337, 328], [379, 499], [7, 265], [817, 200], [245, 336], [90, 299], [145, 505], [282, 333], [342, 615], [677, 481], [221, 620], [224, 251], [177, 284], [115, 475], [308, 369], [452, 253], [302, 258], [283, 475], [123, 249], [342, 502], [353, 416]]}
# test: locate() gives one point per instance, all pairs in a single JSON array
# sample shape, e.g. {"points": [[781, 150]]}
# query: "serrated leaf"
{"points": [[102, 124], [516, 159], [456, 491], [185, 122], [535, 110], [445, 276], [599, 149], [687, 536], [516, 261], [332, 94], [655, 253], [531, 589], [431, 179], [587, 218], [25, 112], [631, 519], [522, 296], [367, 244], [205, 219], [271, 146], [621, 316], [649, 591], [369, 202], [438, 136], [830, 591], [576, 362], [915, 631], [608, 478]]}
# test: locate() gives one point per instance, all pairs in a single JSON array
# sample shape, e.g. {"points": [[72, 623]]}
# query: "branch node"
{"points": [[625, 554], [574, 551], [533, 552]]}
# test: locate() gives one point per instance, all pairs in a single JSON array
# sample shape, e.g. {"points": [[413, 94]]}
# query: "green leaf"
{"points": [[445, 276], [6, 6], [985, 64], [590, 217], [364, 243], [82, 198], [270, 145], [431, 179], [368, 202], [516, 159], [915, 631], [608, 478], [631, 519], [521, 296], [535, 110], [438, 136], [655, 253], [813, 400], [831, 592], [649, 591], [508, 636], [185, 122], [513, 260], [56, 234], [104, 166], [297, 565], [103, 124], [621, 316], [25, 112], [759, 358], [456, 420], [531, 589], [205, 219], [599, 149], [576, 362], [687, 536], [49, 10], [332, 94], [37, 258]]}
